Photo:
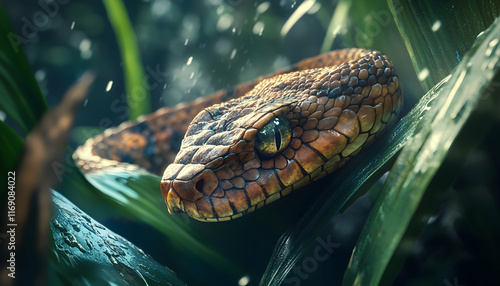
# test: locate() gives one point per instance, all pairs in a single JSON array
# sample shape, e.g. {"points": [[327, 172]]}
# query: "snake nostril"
{"points": [[199, 185]]}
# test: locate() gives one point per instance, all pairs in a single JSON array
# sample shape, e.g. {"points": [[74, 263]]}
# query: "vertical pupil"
{"points": [[277, 137]]}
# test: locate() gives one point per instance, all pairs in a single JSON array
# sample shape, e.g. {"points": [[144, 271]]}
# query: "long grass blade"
{"points": [[421, 158], [437, 34], [356, 177], [138, 98]]}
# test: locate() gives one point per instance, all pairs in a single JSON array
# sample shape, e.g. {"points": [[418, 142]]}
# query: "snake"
{"points": [[230, 153]]}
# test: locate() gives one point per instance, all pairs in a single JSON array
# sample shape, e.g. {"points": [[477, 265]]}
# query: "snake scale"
{"points": [[247, 146]]}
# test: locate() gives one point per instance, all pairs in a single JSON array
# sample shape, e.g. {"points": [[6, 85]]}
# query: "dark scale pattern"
{"points": [[336, 104], [152, 141]]}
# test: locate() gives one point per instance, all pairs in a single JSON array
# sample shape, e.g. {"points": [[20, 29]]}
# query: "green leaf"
{"points": [[84, 252], [11, 151], [137, 196], [21, 98], [437, 34], [138, 98], [336, 23], [12, 147], [357, 176], [421, 158]]}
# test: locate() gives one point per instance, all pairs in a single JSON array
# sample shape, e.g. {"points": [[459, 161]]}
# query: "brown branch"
{"points": [[34, 177]]}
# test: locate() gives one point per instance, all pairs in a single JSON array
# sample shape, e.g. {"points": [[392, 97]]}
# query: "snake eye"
{"points": [[274, 137]]}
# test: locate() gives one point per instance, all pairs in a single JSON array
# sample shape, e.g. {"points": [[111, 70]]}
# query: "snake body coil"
{"points": [[275, 135]]}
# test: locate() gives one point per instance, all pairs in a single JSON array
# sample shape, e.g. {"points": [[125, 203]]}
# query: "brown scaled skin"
{"points": [[336, 104]]}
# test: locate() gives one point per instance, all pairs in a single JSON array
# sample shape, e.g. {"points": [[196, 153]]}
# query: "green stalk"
{"points": [[136, 88]]}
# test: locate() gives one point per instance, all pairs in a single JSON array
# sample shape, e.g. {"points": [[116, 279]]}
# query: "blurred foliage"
{"points": [[446, 32], [21, 98], [190, 49]]}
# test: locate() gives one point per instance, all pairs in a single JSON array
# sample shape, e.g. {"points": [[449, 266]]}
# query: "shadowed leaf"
{"points": [[84, 252], [358, 176], [437, 34], [21, 98], [421, 158], [136, 88]]}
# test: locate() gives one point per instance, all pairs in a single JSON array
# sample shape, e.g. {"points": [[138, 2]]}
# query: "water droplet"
{"points": [[493, 63], [72, 25], [220, 9], [119, 250], [244, 280], [3, 116], [263, 7], [85, 102], [191, 75], [491, 46], [314, 9], [189, 61], [225, 21], [71, 240], [84, 45], [258, 28], [233, 54], [280, 62], [100, 226], [480, 35], [58, 225], [436, 26], [90, 245], [222, 47], [75, 226], [141, 251], [40, 75], [111, 257], [432, 219], [160, 7], [109, 86], [423, 74]]}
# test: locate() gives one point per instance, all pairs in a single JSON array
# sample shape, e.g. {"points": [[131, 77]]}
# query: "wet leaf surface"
{"points": [[84, 252]]}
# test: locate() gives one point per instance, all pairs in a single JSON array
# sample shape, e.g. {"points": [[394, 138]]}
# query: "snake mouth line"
{"points": [[208, 208], [177, 205]]}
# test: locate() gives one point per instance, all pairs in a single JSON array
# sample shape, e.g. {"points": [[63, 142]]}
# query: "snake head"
{"points": [[218, 175], [287, 131]]}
